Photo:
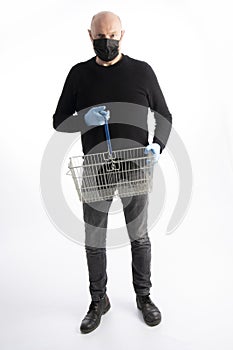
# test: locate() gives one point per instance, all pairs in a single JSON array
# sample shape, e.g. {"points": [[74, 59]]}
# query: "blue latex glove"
{"points": [[96, 116], [155, 149]]}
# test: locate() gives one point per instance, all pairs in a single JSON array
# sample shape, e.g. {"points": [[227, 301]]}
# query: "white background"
{"points": [[44, 282]]}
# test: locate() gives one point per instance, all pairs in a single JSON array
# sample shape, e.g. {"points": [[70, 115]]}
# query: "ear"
{"points": [[89, 31], [122, 34]]}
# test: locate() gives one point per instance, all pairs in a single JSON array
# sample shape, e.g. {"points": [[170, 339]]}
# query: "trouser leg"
{"points": [[95, 220], [136, 214]]}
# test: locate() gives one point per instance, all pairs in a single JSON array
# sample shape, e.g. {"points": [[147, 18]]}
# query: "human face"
{"points": [[106, 26]]}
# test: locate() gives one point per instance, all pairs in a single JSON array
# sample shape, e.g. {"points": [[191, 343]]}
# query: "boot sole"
{"points": [[92, 329]]}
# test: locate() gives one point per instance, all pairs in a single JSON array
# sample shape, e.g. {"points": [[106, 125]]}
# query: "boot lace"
{"points": [[93, 306], [145, 299]]}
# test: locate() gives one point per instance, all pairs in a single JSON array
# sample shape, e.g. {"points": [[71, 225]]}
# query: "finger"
{"points": [[100, 117], [99, 108], [103, 113], [106, 114]]}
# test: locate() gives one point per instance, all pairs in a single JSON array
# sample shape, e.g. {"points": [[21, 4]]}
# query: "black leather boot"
{"points": [[150, 312], [92, 319]]}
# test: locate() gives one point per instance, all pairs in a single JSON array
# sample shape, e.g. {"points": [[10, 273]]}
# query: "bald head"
{"points": [[105, 24], [105, 17]]}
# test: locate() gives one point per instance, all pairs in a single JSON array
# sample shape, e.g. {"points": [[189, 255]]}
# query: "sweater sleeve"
{"points": [[63, 118], [158, 106]]}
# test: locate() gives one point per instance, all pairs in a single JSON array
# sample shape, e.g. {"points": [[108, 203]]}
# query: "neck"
{"points": [[109, 63]]}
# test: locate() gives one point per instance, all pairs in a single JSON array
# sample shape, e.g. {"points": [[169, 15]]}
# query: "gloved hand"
{"points": [[96, 116], [155, 149]]}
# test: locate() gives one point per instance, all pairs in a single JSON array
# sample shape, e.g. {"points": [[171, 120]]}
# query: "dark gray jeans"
{"points": [[95, 220]]}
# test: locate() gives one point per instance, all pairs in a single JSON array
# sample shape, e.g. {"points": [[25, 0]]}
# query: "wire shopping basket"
{"points": [[101, 176]]}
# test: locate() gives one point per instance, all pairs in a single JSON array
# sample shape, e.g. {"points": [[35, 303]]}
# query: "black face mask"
{"points": [[106, 49]]}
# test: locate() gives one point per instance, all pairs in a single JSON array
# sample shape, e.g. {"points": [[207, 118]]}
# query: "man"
{"points": [[121, 89]]}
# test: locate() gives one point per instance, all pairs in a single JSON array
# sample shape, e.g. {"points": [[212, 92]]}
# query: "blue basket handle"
{"points": [[108, 137]]}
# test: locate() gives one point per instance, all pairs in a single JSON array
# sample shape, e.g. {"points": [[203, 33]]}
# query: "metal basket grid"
{"points": [[102, 176]]}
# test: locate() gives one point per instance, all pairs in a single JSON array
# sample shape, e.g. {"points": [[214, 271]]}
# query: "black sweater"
{"points": [[127, 88]]}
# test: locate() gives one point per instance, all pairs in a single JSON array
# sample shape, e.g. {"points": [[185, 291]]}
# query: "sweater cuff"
{"points": [[156, 140]]}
